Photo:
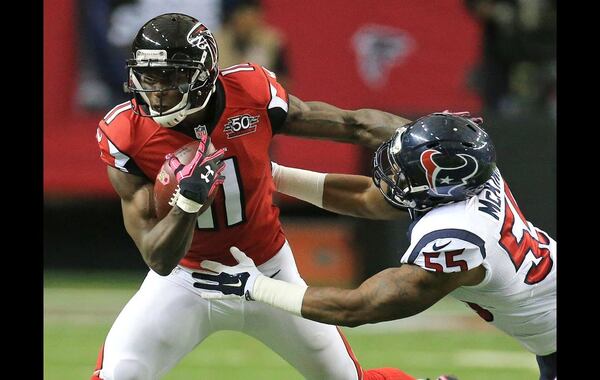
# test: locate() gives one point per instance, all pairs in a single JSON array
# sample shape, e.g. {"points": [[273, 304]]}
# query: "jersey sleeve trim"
{"points": [[236, 68], [277, 108], [448, 233], [277, 101], [112, 114], [122, 161]]}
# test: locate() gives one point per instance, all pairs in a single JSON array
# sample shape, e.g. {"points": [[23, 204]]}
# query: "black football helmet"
{"points": [[437, 159], [172, 52]]}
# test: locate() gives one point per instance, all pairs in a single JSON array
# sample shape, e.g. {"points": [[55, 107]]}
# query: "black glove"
{"points": [[198, 180]]}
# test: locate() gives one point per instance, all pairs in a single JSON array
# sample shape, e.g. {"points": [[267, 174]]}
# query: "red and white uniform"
{"points": [[518, 293], [167, 318], [242, 213]]}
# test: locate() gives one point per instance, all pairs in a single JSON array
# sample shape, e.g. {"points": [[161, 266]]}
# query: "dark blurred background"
{"points": [[493, 58]]}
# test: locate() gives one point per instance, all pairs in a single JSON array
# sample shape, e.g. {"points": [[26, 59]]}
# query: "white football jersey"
{"points": [[518, 293]]}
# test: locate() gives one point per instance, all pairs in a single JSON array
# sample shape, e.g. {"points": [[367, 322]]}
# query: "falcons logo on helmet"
{"points": [[200, 37], [444, 179]]}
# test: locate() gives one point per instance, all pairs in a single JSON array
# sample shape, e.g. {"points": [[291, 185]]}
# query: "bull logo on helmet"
{"points": [[443, 180]]}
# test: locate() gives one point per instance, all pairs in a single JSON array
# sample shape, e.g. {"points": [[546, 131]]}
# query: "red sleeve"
{"points": [[277, 107], [254, 86], [113, 151]]}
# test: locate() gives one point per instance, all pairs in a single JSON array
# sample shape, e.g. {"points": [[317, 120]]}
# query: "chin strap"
{"points": [[171, 120]]}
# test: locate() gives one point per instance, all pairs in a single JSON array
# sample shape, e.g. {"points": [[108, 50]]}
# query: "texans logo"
{"points": [[441, 179]]}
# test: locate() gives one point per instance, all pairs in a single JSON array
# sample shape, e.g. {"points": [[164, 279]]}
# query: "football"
{"points": [[166, 182]]}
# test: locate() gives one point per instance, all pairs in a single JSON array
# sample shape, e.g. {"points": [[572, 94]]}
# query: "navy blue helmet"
{"points": [[437, 159]]}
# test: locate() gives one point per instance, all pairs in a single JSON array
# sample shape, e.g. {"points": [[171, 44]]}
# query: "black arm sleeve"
{"points": [[277, 118]]}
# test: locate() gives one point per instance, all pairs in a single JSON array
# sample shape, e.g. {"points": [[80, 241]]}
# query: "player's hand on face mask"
{"points": [[229, 282], [466, 114], [198, 180]]}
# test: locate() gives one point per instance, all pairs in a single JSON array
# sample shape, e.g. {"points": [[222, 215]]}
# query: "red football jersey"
{"points": [[242, 214]]}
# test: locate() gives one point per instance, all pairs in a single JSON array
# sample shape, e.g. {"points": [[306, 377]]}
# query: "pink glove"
{"points": [[198, 180]]}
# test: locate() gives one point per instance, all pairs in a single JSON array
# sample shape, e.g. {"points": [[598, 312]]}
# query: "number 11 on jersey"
{"points": [[234, 202]]}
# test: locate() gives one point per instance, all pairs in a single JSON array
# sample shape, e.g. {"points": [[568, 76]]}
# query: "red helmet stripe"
{"points": [[430, 167]]}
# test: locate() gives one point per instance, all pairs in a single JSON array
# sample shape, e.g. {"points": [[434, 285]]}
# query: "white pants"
{"points": [[167, 318]]}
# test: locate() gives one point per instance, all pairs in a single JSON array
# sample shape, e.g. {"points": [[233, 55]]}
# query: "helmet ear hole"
{"points": [[432, 144], [468, 144]]}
